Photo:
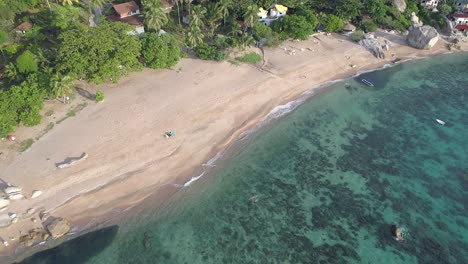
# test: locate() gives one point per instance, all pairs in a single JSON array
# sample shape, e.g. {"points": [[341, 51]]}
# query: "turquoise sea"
{"points": [[322, 184]]}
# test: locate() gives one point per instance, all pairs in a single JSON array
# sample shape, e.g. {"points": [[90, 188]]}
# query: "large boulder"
{"points": [[58, 227], [400, 5], [424, 37], [374, 46]]}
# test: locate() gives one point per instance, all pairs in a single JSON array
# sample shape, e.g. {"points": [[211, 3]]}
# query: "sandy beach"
{"points": [[207, 105]]}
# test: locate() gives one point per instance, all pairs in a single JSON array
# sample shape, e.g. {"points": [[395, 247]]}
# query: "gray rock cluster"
{"points": [[374, 46], [424, 37]]}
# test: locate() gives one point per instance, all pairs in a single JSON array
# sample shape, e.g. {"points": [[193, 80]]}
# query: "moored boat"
{"points": [[368, 83]]}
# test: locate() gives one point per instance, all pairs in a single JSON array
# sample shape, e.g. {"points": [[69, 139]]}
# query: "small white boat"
{"points": [[366, 82], [440, 122]]}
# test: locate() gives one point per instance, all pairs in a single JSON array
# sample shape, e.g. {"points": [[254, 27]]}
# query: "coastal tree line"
{"points": [[62, 46]]}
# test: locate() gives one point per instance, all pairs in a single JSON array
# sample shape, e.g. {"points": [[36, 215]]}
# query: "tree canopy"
{"points": [[100, 53], [160, 51]]}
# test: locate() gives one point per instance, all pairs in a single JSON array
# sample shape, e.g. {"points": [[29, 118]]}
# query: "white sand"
{"points": [[207, 105]]}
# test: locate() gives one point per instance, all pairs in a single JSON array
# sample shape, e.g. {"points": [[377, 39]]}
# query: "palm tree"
{"points": [[68, 2], [213, 17], [178, 8], [198, 15], [223, 7], [189, 2], [194, 36], [61, 86], [155, 17], [10, 72], [250, 15]]}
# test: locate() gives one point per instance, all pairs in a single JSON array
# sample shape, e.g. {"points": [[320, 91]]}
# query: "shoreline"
{"points": [[138, 196]]}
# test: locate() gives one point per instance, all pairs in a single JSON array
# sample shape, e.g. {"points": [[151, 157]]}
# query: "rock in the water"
{"points": [[58, 227], [400, 5], [36, 194], [424, 37], [374, 46], [397, 232]]}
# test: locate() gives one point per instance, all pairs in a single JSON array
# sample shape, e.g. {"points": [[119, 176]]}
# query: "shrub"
{"points": [[26, 62], [99, 96], [297, 27], [160, 51], [3, 37], [369, 26], [251, 57], [207, 52], [332, 23], [357, 35]]}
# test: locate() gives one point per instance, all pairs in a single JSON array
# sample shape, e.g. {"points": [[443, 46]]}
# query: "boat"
{"points": [[366, 82], [440, 122]]}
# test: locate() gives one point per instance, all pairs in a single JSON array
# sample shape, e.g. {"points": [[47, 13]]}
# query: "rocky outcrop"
{"points": [[397, 232], [58, 227], [374, 46], [400, 5], [424, 37]]}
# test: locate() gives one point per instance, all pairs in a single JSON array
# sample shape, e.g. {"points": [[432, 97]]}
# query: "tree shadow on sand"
{"points": [[85, 94], [77, 250]]}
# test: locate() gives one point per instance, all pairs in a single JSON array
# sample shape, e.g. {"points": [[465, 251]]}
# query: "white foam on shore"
{"points": [[287, 108]]}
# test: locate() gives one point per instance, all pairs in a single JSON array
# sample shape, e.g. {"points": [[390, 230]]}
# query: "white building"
{"points": [[129, 13], [461, 21], [430, 4], [273, 13]]}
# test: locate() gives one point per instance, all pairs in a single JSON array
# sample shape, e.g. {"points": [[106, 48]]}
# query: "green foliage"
{"points": [[369, 26], [8, 115], [357, 35], [332, 23], [12, 49], [262, 31], [64, 17], [444, 9], [26, 62], [160, 52], [99, 96], [376, 9], [251, 57], [309, 16], [3, 37], [100, 53], [155, 16], [297, 27], [348, 9], [207, 52]]}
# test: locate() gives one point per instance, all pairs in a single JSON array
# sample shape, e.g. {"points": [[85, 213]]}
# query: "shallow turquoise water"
{"points": [[323, 184]]}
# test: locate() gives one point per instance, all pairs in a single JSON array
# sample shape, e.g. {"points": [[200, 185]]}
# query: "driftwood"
{"points": [[71, 161]]}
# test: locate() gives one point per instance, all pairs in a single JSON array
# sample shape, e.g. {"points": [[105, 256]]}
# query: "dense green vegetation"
{"points": [[64, 44]]}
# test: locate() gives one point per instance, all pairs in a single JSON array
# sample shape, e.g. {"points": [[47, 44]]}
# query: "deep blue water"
{"points": [[323, 184]]}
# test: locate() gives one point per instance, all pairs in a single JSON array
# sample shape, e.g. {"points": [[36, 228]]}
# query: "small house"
{"points": [[23, 28], [127, 9], [460, 21], [430, 4], [128, 13], [273, 13]]}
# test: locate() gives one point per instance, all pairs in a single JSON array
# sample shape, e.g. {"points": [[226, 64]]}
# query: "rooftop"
{"points": [[460, 15], [24, 26], [131, 20], [126, 8]]}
